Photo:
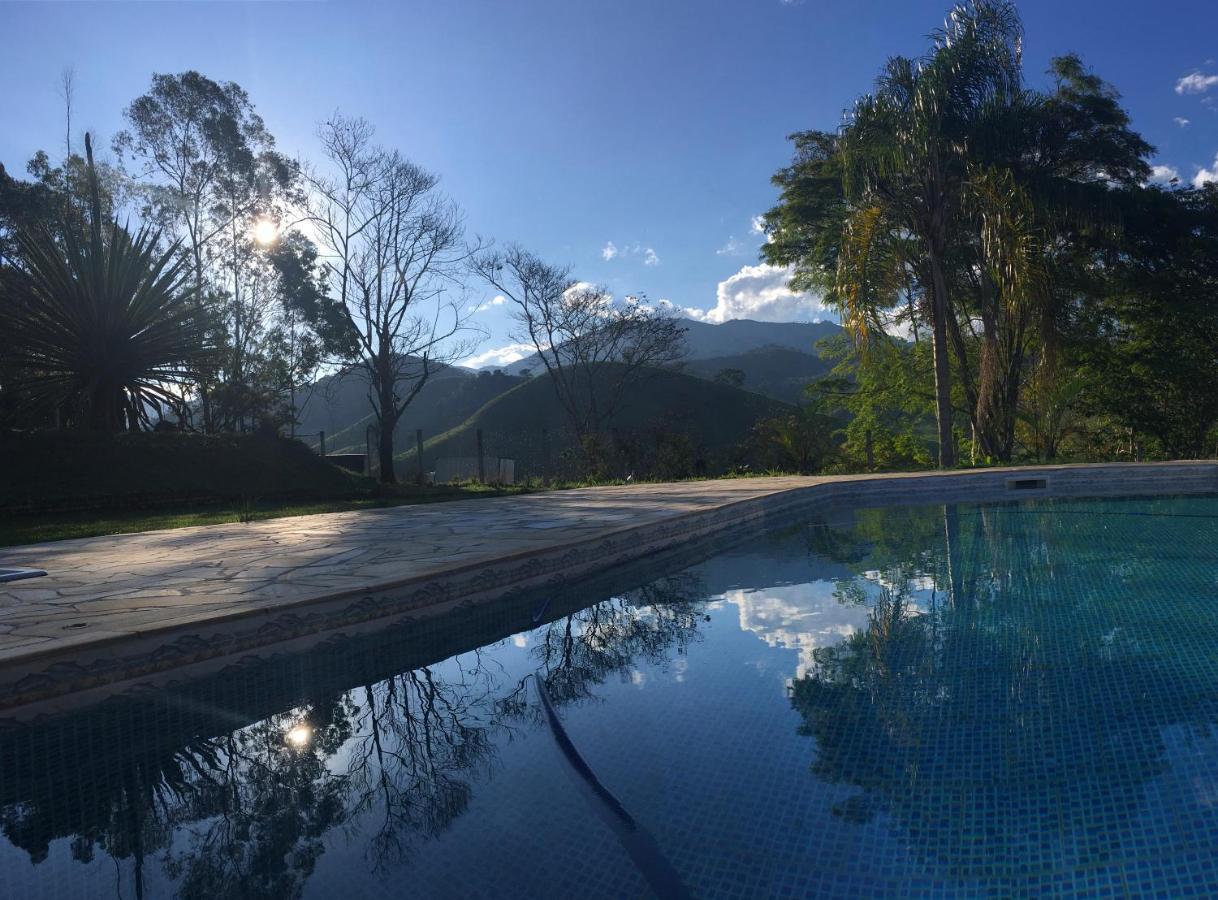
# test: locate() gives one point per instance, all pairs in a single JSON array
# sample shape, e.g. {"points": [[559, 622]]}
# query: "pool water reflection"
{"points": [[1011, 699]]}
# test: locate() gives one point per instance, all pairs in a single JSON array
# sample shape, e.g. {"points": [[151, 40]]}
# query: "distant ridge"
{"points": [[778, 359], [704, 340]]}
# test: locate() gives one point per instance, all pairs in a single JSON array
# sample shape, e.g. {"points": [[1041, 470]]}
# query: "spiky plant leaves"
{"points": [[105, 327]]}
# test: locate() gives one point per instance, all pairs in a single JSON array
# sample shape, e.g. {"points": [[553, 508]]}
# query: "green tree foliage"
{"points": [[958, 204], [1149, 344], [802, 441], [886, 401]]}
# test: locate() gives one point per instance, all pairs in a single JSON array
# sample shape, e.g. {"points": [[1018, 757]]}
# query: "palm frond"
{"points": [[870, 273]]}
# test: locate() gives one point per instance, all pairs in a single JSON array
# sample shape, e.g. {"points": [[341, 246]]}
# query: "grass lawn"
{"points": [[55, 526]]}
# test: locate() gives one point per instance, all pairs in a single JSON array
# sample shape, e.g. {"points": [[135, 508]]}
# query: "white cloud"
{"points": [[499, 356], [1207, 176], [1195, 83], [762, 293], [612, 251], [497, 300], [689, 312], [1181, 121], [734, 247], [1163, 174]]}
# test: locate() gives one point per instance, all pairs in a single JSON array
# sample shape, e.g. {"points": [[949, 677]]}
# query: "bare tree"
{"points": [[594, 349], [395, 251], [67, 90]]}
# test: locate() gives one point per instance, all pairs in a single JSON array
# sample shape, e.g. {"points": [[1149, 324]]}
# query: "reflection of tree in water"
{"points": [[421, 742], [247, 813], [578, 652], [255, 806], [260, 805], [1009, 722]]}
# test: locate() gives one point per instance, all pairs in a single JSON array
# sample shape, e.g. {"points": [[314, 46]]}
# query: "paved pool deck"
{"points": [[126, 606]]}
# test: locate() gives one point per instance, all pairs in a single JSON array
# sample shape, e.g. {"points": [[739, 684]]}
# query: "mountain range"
{"points": [[773, 362], [704, 340]]}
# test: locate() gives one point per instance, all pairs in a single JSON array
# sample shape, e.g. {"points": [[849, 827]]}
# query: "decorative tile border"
{"points": [[89, 665]]}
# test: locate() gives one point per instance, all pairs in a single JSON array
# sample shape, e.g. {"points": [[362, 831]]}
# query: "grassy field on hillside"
{"points": [[669, 410]]}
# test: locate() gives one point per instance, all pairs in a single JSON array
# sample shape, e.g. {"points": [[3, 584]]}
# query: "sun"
{"points": [[265, 232]]}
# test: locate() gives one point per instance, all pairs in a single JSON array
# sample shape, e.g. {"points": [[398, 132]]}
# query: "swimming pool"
{"points": [[1010, 699]]}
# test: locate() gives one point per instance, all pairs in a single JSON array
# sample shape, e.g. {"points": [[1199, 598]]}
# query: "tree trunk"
{"points": [[988, 415], [1001, 363], [940, 309], [209, 425], [387, 411], [384, 446]]}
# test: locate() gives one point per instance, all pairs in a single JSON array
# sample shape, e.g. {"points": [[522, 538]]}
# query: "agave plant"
{"points": [[102, 324]]}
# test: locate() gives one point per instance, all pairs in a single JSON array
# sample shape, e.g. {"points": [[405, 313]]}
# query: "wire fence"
{"points": [[516, 455]]}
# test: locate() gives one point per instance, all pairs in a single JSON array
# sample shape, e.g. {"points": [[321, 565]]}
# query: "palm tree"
{"points": [[1041, 184], [905, 167], [102, 324]]}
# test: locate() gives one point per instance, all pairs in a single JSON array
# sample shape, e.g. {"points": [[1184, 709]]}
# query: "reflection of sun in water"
{"points": [[299, 736], [265, 232]]}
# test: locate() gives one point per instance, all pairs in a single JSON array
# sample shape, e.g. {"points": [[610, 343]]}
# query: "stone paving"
{"points": [[104, 591], [98, 588]]}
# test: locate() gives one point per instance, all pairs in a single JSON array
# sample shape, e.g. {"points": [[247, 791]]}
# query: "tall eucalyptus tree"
{"points": [[211, 171]]}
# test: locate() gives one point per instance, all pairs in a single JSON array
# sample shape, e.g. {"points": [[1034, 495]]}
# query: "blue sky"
{"points": [[651, 125]]}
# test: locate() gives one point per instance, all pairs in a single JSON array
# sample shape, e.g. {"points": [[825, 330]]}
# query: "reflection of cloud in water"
{"points": [[920, 586], [679, 665], [797, 617]]}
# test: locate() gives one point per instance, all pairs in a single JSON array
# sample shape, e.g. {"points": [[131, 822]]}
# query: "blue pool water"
{"points": [[1002, 700]]}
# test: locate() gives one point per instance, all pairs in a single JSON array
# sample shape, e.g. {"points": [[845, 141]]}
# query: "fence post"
{"points": [[372, 447], [481, 459], [322, 435], [418, 444]]}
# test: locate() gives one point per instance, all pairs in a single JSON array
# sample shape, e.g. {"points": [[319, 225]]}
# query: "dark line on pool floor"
{"points": [[634, 838]]}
